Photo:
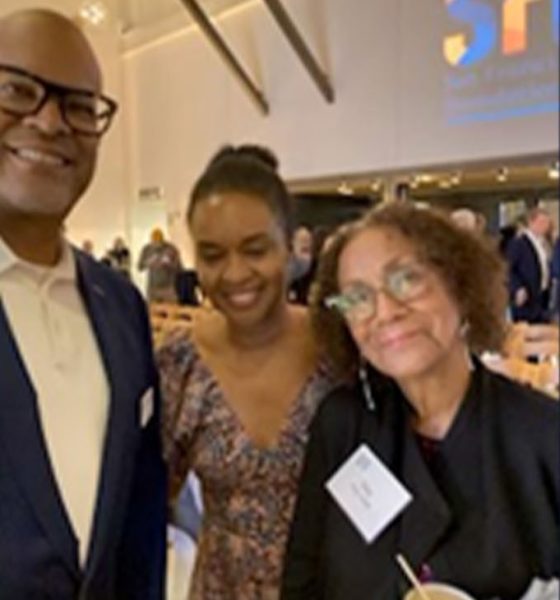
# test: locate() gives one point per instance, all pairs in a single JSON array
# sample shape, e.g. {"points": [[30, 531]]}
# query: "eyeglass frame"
{"points": [[59, 92], [335, 301]]}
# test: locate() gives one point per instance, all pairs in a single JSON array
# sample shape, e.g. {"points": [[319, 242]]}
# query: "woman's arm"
{"points": [[180, 411]]}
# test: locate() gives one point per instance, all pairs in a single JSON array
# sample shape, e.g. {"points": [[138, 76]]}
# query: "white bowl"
{"points": [[439, 591]]}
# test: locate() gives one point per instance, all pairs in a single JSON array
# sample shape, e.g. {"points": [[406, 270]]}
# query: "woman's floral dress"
{"points": [[248, 492]]}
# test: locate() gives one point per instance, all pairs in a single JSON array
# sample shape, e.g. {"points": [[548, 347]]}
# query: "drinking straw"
{"points": [[407, 570]]}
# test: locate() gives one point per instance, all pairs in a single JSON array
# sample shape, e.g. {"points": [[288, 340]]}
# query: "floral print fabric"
{"points": [[249, 492]]}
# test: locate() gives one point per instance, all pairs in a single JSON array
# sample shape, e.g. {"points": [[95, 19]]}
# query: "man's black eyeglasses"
{"points": [[23, 94]]}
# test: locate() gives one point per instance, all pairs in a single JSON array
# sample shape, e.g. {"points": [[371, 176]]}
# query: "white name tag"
{"points": [[369, 494]]}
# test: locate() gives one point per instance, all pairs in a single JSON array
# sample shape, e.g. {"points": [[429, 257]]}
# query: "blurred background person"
{"points": [[88, 248], [162, 261], [506, 234], [301, 268], [555, 282], [407, 299], [118, 257], [529, 271], [241, 386], [188, 288], [465, 218], [481, 223], [470, 220]]}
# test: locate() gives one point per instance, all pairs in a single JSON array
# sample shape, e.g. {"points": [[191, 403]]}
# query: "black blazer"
{"points": [[525, 271], [486, 518], [38, 547]]}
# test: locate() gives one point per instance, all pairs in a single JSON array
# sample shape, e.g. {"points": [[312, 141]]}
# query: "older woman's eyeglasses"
{"points": [[403, 283], [23, 94]]}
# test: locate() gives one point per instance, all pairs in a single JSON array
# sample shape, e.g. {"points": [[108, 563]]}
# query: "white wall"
{"points": [[386, 64], [185, 103], [105, 211]]}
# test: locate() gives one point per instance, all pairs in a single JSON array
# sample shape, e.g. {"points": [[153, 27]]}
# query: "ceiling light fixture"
{"points": [[455, 178], [502, 174], [425, 178], [94, 12], [375, 185], [345, 189], [554, 171], [414, 181]]}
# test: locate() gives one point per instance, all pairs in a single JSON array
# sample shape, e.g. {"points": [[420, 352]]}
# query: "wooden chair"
{"points": [[166, 318], [526, 340]]}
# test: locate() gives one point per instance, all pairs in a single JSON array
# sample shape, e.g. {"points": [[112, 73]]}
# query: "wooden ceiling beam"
{"points": [[228, 57], [300, 47]]}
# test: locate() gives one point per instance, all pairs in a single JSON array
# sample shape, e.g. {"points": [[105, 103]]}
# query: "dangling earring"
{"points": [[463, 332], [464, 328], [366, 386]]}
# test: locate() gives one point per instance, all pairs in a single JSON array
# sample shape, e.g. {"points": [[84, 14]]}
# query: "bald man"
{"points": [[82, 482]]}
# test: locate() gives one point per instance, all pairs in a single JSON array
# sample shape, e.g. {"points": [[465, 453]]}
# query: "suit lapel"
{"points": [[107, 323], [22, 439]]}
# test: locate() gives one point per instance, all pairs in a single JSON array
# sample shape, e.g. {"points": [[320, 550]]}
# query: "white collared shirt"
{"points": [[540, 249], [54, 336]]}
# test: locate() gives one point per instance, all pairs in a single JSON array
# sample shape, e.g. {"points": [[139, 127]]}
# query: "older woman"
{"points": [[412, 298]]}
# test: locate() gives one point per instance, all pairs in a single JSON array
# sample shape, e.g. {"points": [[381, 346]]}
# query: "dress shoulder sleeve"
{"points": [[180, 373]]}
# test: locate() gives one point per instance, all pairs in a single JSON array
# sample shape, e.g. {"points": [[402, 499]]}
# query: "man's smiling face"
{"points": [[44, 165]]}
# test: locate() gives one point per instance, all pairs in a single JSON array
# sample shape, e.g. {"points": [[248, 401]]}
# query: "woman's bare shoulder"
{"points": [[300, 319]]}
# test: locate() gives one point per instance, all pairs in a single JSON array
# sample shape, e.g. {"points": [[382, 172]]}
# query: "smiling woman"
{"points": [[412, 298], [241, 387], [241, 269]]}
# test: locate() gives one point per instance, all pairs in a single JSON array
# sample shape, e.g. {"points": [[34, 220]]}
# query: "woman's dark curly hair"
{"points": [[468, 264], [246, 169]]}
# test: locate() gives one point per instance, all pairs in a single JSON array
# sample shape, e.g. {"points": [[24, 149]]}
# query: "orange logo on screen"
{"points": [[488, 30], [514, 26]]}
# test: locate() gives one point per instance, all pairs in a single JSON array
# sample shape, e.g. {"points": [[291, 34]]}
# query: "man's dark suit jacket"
{"points": [[484, 517], [38, 548], [525, 272]]}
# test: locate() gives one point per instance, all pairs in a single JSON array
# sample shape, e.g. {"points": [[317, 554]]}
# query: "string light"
{"points": [[502, 174], [455, 179], [414, 182], [345, 189], [375, 185], [425, 178]]}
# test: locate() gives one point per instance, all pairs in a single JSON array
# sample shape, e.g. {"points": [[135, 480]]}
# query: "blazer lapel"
{"points": [[426, 519], [107, 324], [428, 516], [21, 437]]}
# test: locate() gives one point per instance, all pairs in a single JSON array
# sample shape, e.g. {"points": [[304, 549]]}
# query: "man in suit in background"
{"points": [[82, 482], [529, 273]]}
